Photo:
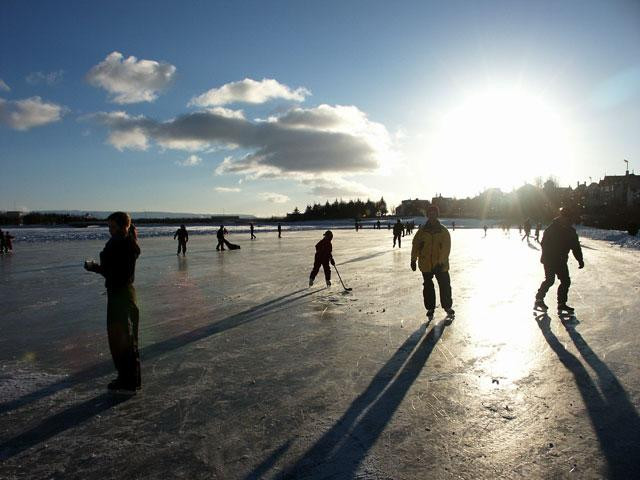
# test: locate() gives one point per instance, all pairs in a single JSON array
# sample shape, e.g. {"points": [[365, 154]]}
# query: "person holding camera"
{"points": [[117, 265], [430, 249]]}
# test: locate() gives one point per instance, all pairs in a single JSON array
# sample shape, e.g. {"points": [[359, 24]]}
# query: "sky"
{"points": [[259, 107]]}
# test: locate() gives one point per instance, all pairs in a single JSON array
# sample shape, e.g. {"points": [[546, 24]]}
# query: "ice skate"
{"points": [[328, 283], [311, 282], [430, 313], [540, 306], [450, 312], [565, 309]]}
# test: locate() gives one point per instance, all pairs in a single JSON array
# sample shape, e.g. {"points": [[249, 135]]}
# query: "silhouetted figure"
{"points": [[183, 238], [453, 226], [398, 231], [8, 244], [485, 229], [558, 239], [378, 224], [527, 229], [117, 265], [388, 226], [322, 258], [519, 229], [538, 228], [279, 230], [220, 236], [357, 226], [2, 240], [431, 247], [251, 228]]}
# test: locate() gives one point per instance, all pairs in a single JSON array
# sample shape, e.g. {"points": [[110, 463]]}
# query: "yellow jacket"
{"points": [[431, 247]]}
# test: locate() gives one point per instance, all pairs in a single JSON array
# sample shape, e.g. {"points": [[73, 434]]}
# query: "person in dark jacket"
{"points": [[183, 238], [279, 230], [398, 233], [8, 244], [1, 242], [527, 229], [323, 258], [558, 239], [117, 265], [251, 227], [220, 236]]}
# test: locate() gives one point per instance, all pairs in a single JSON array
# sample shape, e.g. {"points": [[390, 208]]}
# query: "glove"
{"points": [[580, 264], [333, 262], [413, 265]]}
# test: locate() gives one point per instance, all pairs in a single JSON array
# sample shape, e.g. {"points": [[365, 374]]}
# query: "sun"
{"points": [[501, 137]]}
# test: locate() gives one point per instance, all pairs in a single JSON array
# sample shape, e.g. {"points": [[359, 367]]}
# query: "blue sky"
{"points": [[258, 107]]}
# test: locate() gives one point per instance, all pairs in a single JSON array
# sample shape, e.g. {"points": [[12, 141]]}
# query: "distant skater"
{"points": [[220, 236], [8, 244], [323, 258], [251, 228], [558, 239], [398, 231], [2, 240], [453, 226], [279, 231], [183, 238], [485, 229], [431, 247], [538, 228], [117, 265], [527, 229], [378, 224]]}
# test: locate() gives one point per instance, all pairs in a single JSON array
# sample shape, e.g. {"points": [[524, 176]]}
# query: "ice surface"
{"points": [[248, 373]]}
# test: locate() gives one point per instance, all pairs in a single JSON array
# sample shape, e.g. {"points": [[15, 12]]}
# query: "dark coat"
{"points": [[323, 250], [118, 262], [558, 239]]}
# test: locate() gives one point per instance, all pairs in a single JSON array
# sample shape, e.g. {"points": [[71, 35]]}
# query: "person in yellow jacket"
{"points": [[430, 248]]}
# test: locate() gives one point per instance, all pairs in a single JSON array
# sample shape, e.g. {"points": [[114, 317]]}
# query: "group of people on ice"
{"points": [[430, 251]]}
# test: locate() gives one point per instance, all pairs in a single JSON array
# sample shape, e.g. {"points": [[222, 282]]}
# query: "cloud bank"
{"points": [[190, 161], [28, 113], [227, 189], [130, 80], [249, 91]]}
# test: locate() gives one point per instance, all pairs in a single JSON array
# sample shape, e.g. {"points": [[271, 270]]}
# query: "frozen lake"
{"points": [[248, 373]]}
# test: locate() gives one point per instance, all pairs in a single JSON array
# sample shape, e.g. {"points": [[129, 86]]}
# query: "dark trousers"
{"points": [[397, 237], [220, 245], [316, 268], [550, 273], [122, 328], [182, 246], [429, 292]]}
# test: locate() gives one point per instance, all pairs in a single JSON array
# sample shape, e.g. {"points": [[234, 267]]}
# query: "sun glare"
{"points": [[502, 137]]}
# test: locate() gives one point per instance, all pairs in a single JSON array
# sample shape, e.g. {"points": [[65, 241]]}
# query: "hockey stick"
{"points": [[348, 289]]}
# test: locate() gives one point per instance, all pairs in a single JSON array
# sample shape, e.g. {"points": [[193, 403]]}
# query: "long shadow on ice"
{"points": [[364, 257], [157, 349], [613, 416], [341, 450], [58, 423]]}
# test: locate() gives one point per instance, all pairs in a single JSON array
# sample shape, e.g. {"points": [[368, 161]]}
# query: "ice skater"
{"points": [[485, 229], [220, 236], [431, 247], [2, 240], [279, 230], [252, 234], [398, 233], [558, 239], [117, 265], [8, 244], [323, 258], [183, 238], [538, 228], [527, 229]]}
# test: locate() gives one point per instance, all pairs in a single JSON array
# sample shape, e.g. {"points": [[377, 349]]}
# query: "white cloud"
{"points": [[249, 91], [51, 78], [134, 139], [319, 147], [28, 113], [4, 87], [227, 112], [273, 197], [190, 161], [227, 189], [130, 80]]}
